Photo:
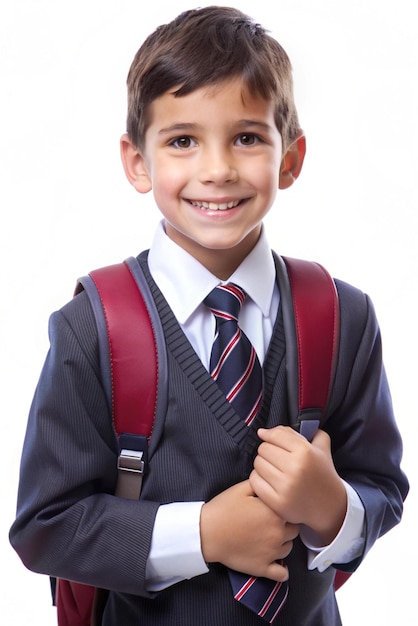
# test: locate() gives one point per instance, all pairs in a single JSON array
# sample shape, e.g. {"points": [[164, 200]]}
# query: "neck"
{"points": [[222, 262]]}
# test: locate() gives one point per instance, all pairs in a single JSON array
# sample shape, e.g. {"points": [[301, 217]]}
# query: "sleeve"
{"points": [[68, 524], [347, 545], [366, 443], [175, 552]]}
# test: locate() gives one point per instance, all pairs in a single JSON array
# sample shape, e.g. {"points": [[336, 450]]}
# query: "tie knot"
{"points": [[225, 302]]}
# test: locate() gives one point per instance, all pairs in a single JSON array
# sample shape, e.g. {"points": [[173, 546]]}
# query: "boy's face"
{"points": [[213, 160]]}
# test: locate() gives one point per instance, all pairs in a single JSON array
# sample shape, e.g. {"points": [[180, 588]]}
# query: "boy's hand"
{"points": [[240, 531], [298, 480]]}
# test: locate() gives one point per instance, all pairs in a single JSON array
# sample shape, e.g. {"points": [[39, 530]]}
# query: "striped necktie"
{"points": [[235, 367], [233, 362]]}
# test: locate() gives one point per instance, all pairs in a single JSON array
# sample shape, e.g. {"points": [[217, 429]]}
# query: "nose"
{"points": [[217, 166]]}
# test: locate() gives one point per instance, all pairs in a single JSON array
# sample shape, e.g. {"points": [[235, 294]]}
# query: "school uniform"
{"points": [[69, 524]]}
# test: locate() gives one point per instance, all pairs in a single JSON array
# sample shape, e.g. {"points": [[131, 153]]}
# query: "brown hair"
{"points": [[205, 47]]}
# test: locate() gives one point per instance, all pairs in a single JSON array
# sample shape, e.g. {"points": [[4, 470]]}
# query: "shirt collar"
{"points": [[175, 270]]}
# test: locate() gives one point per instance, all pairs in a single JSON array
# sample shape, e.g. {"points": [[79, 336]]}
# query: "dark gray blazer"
{"points": [[69, 524]]}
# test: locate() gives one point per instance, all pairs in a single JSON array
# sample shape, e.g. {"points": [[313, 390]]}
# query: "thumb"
{"points": [[244, 487], [322, 441]]}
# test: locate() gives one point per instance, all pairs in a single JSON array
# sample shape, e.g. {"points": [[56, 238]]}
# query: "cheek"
{"points": [[169, 178], [167, 192], [266, 176]]}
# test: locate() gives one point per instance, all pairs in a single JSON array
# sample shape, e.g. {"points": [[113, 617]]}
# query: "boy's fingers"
{"points": [[286, 433], [265, 491], [277, 571], [282, 436], [322, 440]]}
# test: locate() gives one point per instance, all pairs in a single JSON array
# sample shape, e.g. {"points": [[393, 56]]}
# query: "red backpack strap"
{"points": [[311, 322], [132, 362], [132, 350]]}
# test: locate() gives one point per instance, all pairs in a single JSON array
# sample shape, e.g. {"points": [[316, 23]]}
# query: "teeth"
{"points": [[213, 206]]}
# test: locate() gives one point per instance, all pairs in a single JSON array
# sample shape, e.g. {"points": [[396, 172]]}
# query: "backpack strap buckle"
{"points": [[132, 465], [131, 469]]}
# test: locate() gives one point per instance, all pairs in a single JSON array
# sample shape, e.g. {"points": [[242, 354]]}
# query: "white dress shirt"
{"points": [[175, 552]]}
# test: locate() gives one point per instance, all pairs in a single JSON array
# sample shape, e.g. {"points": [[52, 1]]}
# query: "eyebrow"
{"points": [[181, 127], [256, 123], [187, 127]]}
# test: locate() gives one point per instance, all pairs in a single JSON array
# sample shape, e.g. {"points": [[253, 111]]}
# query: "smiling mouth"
{"points": [[215, 206]]}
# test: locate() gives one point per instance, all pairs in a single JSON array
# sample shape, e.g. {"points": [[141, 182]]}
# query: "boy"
{"points": [[213, 131]]}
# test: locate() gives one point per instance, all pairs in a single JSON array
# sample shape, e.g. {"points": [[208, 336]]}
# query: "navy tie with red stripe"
{"points": [[235, 367], [233, 361]]}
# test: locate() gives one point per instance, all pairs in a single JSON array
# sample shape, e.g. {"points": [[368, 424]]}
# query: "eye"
{"points": [[183, 142], [247, 139]]}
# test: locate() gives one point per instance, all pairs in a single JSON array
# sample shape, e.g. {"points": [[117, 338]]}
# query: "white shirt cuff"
{"points": [[349, 542], [175, 552]]}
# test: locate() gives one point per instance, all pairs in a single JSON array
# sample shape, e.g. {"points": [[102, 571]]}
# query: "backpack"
{"points": [[121, 299]]}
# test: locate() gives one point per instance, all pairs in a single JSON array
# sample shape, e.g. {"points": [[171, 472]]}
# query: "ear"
{"points": [[134, 165], [292, 162]]}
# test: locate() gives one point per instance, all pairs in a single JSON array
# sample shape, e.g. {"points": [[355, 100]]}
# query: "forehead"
{"points": [[226, 102]]}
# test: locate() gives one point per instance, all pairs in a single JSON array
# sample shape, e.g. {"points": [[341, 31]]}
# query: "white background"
{"points": [[67, 208]]}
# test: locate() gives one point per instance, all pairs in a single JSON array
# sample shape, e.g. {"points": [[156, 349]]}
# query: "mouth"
{"points": [[215, 206]]}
